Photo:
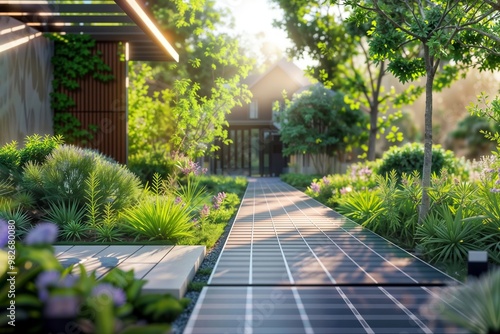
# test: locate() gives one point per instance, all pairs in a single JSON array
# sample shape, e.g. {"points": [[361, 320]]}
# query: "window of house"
{"points": [[254, 109]]}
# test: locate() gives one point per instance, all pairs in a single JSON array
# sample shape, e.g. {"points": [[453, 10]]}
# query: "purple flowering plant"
{"points": [[48, 294]]}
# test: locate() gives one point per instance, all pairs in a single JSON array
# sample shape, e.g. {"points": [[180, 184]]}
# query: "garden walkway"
{"points": [[291, 265]]}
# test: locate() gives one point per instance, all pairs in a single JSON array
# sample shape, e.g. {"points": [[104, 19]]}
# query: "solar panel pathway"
{"points": [[291, 265]]}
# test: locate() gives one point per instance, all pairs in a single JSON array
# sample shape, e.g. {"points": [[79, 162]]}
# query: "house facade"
{"points": [[256, 148]]}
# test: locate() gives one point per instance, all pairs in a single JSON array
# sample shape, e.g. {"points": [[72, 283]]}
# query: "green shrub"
{"points": [[37, 148], [410, 158], [364, 207], [10, 160], [299, 181], [63, 178], [445, 236], [145, 166], [61, 213], [21, 217], [74, 231]]}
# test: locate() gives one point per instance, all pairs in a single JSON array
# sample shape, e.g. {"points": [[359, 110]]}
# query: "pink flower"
{"points": [[205, 211], [315, 187]]}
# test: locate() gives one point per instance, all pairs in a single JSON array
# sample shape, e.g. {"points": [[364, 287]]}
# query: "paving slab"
{"points": [[174, 272], [168, 269]]}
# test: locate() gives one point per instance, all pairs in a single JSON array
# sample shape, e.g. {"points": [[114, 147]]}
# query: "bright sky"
{"points": [[254, 19]]}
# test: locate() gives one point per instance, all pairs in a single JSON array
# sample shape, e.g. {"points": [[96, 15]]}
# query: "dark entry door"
{"points": [[272, 161]]}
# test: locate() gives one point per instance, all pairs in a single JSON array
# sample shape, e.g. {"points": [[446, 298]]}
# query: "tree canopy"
{"points": [[340, 47], [189, 100]]}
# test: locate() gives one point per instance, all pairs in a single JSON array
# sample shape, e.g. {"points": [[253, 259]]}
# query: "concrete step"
{"points": [[167, 269]]}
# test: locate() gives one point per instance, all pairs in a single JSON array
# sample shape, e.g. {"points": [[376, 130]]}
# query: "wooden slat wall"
{"points": [[104, 105]]}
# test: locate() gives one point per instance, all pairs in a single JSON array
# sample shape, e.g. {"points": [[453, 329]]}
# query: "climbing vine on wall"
{"points": [[74, 58]]}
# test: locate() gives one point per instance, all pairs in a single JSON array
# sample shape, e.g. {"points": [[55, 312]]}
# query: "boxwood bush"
{"points": [[410, 158]]}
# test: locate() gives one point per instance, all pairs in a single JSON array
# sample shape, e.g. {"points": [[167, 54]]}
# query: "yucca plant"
{"points": [[74, 231], [448, 237], [21, 217], [192, 192], [24, 199], [159, 218], [364, 207], [62, 213], [474, 306], [107, 233]]}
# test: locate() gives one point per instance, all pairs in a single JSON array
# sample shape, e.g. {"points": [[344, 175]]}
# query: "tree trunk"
{"points": [[426, 172], [374, 104], [373, 131]]}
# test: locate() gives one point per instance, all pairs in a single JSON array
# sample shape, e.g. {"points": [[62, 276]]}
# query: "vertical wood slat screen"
{"points": [[104, 105]]}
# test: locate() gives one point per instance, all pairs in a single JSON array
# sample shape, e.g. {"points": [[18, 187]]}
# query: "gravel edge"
{"points": [[209, 262]]}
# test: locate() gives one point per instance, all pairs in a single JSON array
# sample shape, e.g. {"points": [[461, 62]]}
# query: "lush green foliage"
{"points": [[159, 218], [63, 178], [410, 158], [150, 119], [36, 149], [443, 38], [189, 116], [464, 210], [340, 48], [74, 57], [92, 198], [50, 298], [318, 122]]}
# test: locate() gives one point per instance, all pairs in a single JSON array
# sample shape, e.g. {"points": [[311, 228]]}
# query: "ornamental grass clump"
{"points": [[474, 306], [160, 218]]}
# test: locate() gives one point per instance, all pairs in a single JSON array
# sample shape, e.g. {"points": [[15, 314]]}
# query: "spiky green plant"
{"points": [[448, 237], [21, 218], [159, 218], [193, 194], [489, 204], [74, 231], [474, 306], [62, 213], [364, 207], [92, 194], [107, 229], [107, 233], [24, 199]]}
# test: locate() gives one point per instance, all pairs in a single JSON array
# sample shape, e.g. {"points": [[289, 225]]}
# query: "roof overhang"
{"points": [[106, 20]]}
